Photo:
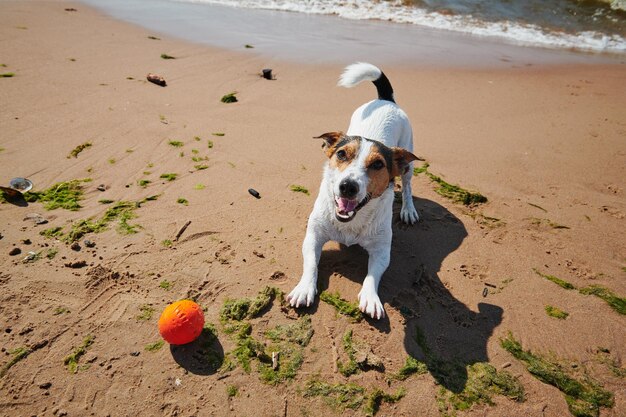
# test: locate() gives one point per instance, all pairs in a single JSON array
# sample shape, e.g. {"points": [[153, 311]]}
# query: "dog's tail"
{"points": [[362, 71]]}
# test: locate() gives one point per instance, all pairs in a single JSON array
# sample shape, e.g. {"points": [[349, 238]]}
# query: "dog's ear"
{"points": [[330, 140], [401, 160]]}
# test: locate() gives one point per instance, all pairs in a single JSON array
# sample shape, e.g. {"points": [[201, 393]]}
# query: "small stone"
{"points": [[15, 251], [76, 264], [26, 241], [45, 385], [134, 353], [89, 243], [75, 246], [506, 365], [101, 187], [278, 275]]}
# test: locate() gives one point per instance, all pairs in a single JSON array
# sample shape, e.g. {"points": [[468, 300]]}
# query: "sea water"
{"points": [[449, 32]]}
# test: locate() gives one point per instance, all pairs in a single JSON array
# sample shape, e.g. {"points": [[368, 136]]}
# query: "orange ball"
{"points": [[181, 322]]}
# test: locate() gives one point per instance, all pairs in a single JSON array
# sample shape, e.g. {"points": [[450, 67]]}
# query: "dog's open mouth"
{"points": [[346, 209]]}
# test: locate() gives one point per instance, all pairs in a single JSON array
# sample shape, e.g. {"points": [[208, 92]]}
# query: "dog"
{"points": [[354, 204]]}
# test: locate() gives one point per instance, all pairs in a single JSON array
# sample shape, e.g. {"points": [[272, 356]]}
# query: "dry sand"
{"points": [[546, 145]]}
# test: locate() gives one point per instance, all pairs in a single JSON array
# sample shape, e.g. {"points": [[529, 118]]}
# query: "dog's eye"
{"points": [[341, 155], [376, 165]]}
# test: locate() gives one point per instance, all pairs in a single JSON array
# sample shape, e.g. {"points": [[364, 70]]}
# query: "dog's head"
{"points": [[360, 170]]}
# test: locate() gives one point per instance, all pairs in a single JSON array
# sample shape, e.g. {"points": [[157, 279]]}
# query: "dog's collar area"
{"points": [[346, 217]]}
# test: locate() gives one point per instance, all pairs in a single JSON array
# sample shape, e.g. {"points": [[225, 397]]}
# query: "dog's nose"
{"points": [[348, 189]]}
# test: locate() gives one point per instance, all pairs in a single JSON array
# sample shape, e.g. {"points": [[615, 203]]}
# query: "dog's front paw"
{"points": [[302, 295], [369, 303], [408, 214]]}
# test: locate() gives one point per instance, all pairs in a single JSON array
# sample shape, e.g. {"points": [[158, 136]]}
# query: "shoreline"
{"points": [[331, 40]]}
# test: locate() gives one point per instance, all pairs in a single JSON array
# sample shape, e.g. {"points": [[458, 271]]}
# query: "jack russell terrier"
{"points": [[354, 205]]}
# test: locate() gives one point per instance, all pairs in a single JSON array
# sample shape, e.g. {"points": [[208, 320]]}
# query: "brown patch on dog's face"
{"points": [[378, 171], [344, 153]]}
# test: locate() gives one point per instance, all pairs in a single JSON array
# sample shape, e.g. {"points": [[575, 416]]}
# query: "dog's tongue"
{"points": [[345, 205]]}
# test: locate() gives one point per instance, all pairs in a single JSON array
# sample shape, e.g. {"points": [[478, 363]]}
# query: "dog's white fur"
{"points": [[385, 122]]}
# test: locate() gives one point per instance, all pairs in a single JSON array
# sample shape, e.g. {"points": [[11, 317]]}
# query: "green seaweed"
{"points": [[342, 306], [61, 310], [247, 348], [183, 201], [166, 285], [52, 253], [411, 366], [56, 231], [232, 391], [299, 189], [615, 302], [167, 243], [210, 144], [199, 187], [299, 333], [71, 360], [7, 75], [200, 167], [584, 397], [154, 38], [79, 149], [351, 367], [289, 361], [378, 396], [122, 211], [229, 98], [451, 191], [176, 143], [169, 176], [218, 134], [143, 183], [556, 312], [247, 308], [339, 396], [153, 347], [558, 281], [18, 355], [483, 381], [64, 195], [146, 312], [166, 56]]}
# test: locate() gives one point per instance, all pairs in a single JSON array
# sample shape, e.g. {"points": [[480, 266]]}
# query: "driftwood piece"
{"points": [[182, 230]]}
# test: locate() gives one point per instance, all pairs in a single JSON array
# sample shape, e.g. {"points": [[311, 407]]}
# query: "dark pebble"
{"points": [[254, 193], [45, 385], [26, 241], [89, 243], [485, 292], [76, 264], [75, 246], [101, 187], [15, 251], [134, 353]]}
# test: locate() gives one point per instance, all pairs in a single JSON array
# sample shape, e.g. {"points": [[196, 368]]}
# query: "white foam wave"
{"points": [[395, 11]]}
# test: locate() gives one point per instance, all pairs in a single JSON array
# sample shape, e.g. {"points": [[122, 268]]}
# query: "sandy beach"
{"points": [[546, 145]]}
